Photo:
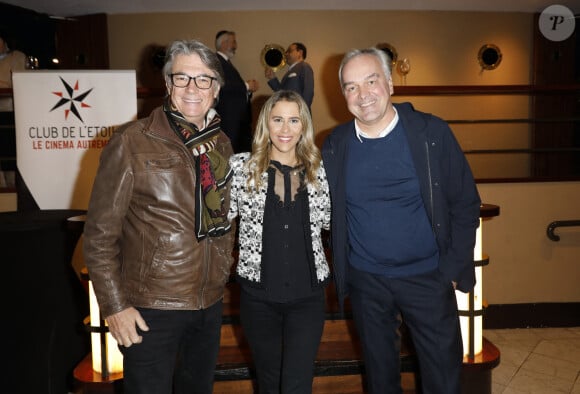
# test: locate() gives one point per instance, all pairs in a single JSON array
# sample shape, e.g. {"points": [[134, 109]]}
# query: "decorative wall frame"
{"points": [[489, 57], [389, 50], [273, 56]]}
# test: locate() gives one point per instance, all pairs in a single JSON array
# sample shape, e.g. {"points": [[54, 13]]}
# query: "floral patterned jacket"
{"points": [[250, 207]]}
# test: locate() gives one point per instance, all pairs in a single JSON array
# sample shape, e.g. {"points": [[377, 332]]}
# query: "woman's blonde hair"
{"points": [[307, 153]]}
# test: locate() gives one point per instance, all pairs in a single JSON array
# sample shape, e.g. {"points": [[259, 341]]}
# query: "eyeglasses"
{"points": [[183, 80]]}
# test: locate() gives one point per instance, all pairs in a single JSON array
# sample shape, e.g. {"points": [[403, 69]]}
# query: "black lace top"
{"points": [[287, 261]]}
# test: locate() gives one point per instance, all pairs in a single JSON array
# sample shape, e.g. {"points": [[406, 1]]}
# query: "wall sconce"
{"points": [[403, 68], [107, 359], [489, 57], [470, 305]]}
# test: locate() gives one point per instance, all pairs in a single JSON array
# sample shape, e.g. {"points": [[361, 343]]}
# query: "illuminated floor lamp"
{"points": [[102, 370], [107, 360], [470, 305]]}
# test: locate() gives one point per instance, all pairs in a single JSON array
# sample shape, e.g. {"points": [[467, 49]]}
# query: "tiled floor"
{"points": [[536, 360]]}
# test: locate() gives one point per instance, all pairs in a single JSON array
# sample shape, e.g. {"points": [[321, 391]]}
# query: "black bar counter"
{"points": [[45, 302]]}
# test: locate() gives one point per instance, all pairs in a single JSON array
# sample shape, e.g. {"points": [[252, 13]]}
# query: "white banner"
{"points": [[63, 120]]}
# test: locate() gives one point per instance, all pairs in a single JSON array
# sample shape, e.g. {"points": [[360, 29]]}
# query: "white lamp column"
{"points": [[470, 305]]}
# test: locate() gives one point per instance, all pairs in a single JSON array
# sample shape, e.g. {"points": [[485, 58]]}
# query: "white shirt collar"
{"points": [[223, 55], [209, 117], [290, 67], [383, 133]]}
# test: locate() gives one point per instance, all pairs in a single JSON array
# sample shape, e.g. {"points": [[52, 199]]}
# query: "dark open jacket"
{"points": [[139, 238], [447, 189]]}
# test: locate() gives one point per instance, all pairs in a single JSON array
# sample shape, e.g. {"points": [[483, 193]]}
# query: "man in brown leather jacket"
{"points": [[157, 242]]}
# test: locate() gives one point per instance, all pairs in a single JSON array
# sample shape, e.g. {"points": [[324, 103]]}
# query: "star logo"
{"points": [[71, 99]]}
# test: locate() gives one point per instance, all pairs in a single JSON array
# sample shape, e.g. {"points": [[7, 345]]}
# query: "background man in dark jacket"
{"points": [[299, 77], [234, 103], [405, 209]]}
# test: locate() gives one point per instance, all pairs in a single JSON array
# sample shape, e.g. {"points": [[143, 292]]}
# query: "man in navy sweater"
{"points": [[405, 209]]}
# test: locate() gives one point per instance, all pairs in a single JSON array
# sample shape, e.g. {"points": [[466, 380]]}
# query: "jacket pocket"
{"points": [[160, 162]]}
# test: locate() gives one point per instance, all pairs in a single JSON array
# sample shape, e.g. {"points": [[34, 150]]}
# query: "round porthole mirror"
{"points": [[272, 56], [390, 51], [489, 57]]}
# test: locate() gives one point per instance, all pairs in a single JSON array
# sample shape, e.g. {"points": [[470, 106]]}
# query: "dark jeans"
{"points": [[428, 306], [284, 339], [179, 351]]}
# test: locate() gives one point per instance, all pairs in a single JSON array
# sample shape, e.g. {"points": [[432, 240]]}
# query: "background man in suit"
{"points": [[234, 104], [299, 77]]}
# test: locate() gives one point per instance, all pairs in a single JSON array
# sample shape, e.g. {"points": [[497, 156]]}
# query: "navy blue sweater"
{"points": [[388, 228]]}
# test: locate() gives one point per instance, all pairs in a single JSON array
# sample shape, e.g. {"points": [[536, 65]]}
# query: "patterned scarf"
{"points": [[212, 171]]}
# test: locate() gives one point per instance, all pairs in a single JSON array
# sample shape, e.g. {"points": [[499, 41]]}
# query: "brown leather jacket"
{"points": [[139, 243]]}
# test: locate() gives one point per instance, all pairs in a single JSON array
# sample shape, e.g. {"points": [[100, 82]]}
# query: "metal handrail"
{"points": [[559, 223]]}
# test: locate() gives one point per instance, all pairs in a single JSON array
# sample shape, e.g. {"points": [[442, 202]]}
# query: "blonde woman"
{"points": [[280, 194]]}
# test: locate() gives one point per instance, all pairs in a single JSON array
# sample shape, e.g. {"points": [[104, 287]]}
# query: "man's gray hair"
{"points": [[190, 47], [379, 53]]}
